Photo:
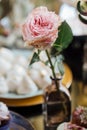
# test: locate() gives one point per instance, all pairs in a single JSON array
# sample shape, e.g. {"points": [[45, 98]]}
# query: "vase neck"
{"points": [[57, 79]]}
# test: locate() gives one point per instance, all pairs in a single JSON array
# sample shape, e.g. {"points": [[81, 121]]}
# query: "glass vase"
{"points": [[56, 106]]}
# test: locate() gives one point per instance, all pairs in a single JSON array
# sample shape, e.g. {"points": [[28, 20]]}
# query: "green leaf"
{"points": [[65, 37], [46, 62], [35, 58]]}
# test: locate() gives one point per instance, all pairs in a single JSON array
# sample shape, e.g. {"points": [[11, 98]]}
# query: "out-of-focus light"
{"points": [[67, 12]]}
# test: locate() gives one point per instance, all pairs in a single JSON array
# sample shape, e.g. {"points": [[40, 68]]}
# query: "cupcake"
{"points": [[4, 117], [79, 116], [69, 126]]}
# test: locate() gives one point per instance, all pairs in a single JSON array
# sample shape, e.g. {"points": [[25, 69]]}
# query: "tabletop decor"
{"points": [[82, 9], [44, 30]]}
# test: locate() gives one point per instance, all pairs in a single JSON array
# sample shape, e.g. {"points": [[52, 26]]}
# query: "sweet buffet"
{"points": [[43, 59]]}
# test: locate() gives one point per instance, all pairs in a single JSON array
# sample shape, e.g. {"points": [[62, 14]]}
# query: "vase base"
{"points": [[50, 127]]}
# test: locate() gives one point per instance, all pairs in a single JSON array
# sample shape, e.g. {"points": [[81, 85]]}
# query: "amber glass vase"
{"points": [[56, 106]]}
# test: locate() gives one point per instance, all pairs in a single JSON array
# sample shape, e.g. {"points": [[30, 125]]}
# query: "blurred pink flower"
{"points": [[40, 29]]}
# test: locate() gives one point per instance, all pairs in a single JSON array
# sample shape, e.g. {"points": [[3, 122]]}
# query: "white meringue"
{"points": [[5, 66], [13, 80], [40, 75], [27, 86], [7, 54], [3, 86], [21, 60]]}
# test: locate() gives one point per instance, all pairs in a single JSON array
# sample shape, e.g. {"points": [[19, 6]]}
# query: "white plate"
{"points": [[16, 96]]}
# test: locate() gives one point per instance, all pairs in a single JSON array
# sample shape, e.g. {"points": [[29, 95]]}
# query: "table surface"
{"points": [[37, 122]]}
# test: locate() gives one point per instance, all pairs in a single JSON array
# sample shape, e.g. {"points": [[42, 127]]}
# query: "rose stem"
{"points": [[52, 68]]}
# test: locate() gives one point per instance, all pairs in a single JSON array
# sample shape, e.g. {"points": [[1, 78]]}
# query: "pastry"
{"points": [[40, 74], [5, 116], [21, 60], [69, 126], [3, 85], [27, 86], [20, 82], [7, 54], [5, 66], [79, 116]]}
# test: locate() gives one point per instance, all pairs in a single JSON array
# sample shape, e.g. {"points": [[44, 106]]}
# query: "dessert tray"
{"points": [[34, 98], [29, 83], [22, 96], [19, 123]]}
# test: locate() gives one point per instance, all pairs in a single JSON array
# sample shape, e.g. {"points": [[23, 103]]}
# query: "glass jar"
{"points": [[56, 106]]}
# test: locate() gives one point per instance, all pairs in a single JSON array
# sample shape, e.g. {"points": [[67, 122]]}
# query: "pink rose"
{"points": [[41, 28]]}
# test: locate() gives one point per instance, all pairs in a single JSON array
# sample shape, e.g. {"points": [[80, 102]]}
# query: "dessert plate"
{"points": [[66, 81], [21, 96], [18, 122], [34, 98]]}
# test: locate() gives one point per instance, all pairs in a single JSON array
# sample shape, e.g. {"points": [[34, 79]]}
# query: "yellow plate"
{"points": [[67, 79], [38, 98]]}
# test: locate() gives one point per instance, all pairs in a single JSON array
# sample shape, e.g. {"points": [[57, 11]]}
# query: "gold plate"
{"points": [[38, 98], [68, 77]]}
